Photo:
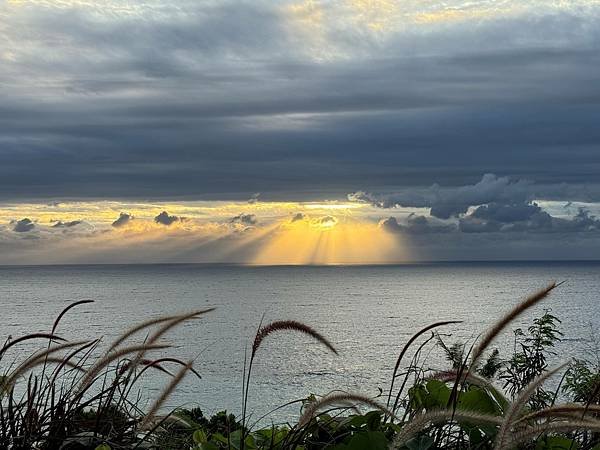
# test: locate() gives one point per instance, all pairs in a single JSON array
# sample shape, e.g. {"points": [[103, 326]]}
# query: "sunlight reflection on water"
{"points": [[367, 312]]}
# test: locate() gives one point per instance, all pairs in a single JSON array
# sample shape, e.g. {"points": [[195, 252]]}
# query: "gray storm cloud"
{"points": [[497, 218], [416, 224], [525, 217], [453, 201], [494, 204], [237, 97]]}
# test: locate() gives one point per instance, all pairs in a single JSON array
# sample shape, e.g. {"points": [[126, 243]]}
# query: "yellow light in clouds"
{"points": [[326, 232], [329, 240]]}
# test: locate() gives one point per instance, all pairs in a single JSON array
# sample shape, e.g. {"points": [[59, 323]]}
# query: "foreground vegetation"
{"points": [[75, 395]]}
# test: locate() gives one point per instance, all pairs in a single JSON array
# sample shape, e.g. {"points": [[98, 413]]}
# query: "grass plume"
{"points": [[49, 336], [501, 324], [93, 372], [66, 310], [544, 429], [165, 395], [517, 405], [173, 320], [288, 325], [36, 359]]}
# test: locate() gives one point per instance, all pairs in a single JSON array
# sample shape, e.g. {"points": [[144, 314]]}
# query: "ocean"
{"points": [[367, 312]]}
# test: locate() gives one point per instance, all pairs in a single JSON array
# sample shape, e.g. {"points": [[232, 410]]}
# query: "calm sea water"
{"points": [[368, 313]]}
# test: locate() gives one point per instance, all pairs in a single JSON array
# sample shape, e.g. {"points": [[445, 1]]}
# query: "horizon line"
{"points": [[365, 264]]}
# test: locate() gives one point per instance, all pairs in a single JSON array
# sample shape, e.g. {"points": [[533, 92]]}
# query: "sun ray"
{"points": [[348, 241]]}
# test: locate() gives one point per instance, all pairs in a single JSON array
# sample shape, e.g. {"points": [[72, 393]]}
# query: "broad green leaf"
{"points": [[208, 446], [218, 437], [556, 443], [372, 440], [438, 394], [199, 437], [357, 421], [478, 400], [373, 419]]}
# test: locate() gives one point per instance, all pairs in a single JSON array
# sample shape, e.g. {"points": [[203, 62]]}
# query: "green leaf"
{"points": [[372, 440], [439, 394], [556, 443], [357, 421], [373, 420], [478, 400], [199, 437], [218, 437], [249, 442], [208, 446], [235, 438]]}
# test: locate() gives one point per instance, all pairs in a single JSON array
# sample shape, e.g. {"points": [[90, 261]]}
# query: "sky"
{"points": [[299, 132]]}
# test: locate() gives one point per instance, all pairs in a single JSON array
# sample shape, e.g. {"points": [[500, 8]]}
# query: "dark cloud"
{"points": [[524, 217], [416, 224], [506, 217], [61, 224], [165, 219], [474, 225], [453, 201], [23, 225], [254, 198], [246, 219], [583, 221], [507, 213], [497, 217], [122, 220], [298, 217]]}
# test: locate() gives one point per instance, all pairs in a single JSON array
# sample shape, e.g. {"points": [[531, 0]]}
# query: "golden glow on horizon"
{"points": [[317, 232], [330, 242]]}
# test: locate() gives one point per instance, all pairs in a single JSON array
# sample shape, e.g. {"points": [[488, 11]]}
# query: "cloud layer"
{"points": [[291, 232], [294, 99]]}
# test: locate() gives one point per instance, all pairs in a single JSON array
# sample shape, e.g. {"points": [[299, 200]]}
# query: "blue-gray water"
{"points": [[367, 312]]}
